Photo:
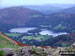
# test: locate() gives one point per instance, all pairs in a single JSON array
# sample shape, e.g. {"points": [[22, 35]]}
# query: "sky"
{"points": [[34, 2]]}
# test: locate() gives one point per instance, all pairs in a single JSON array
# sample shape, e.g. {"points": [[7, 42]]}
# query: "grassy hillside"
{"points": [[5, 42]]}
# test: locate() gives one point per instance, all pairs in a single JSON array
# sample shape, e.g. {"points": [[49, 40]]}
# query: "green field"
{"points": [[39, 37], [13, 34], [59, 27], [16, 35]]}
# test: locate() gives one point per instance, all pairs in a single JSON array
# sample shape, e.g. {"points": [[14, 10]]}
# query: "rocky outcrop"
{"points": [[27, 51]]}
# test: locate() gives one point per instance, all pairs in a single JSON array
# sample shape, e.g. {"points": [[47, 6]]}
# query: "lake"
{"points": [[42, 32], [52, 33], [21, 30]]}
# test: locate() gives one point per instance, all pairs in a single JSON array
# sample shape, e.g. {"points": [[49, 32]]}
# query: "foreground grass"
{"points": [[6, 43], [1, 53]]}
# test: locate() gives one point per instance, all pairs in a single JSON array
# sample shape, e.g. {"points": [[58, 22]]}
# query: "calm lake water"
{"points": [[43, 31], [21, 30], [50, 32]]}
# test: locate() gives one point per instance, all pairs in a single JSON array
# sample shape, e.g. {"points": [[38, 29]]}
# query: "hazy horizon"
{"points": [[33, 2]]}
